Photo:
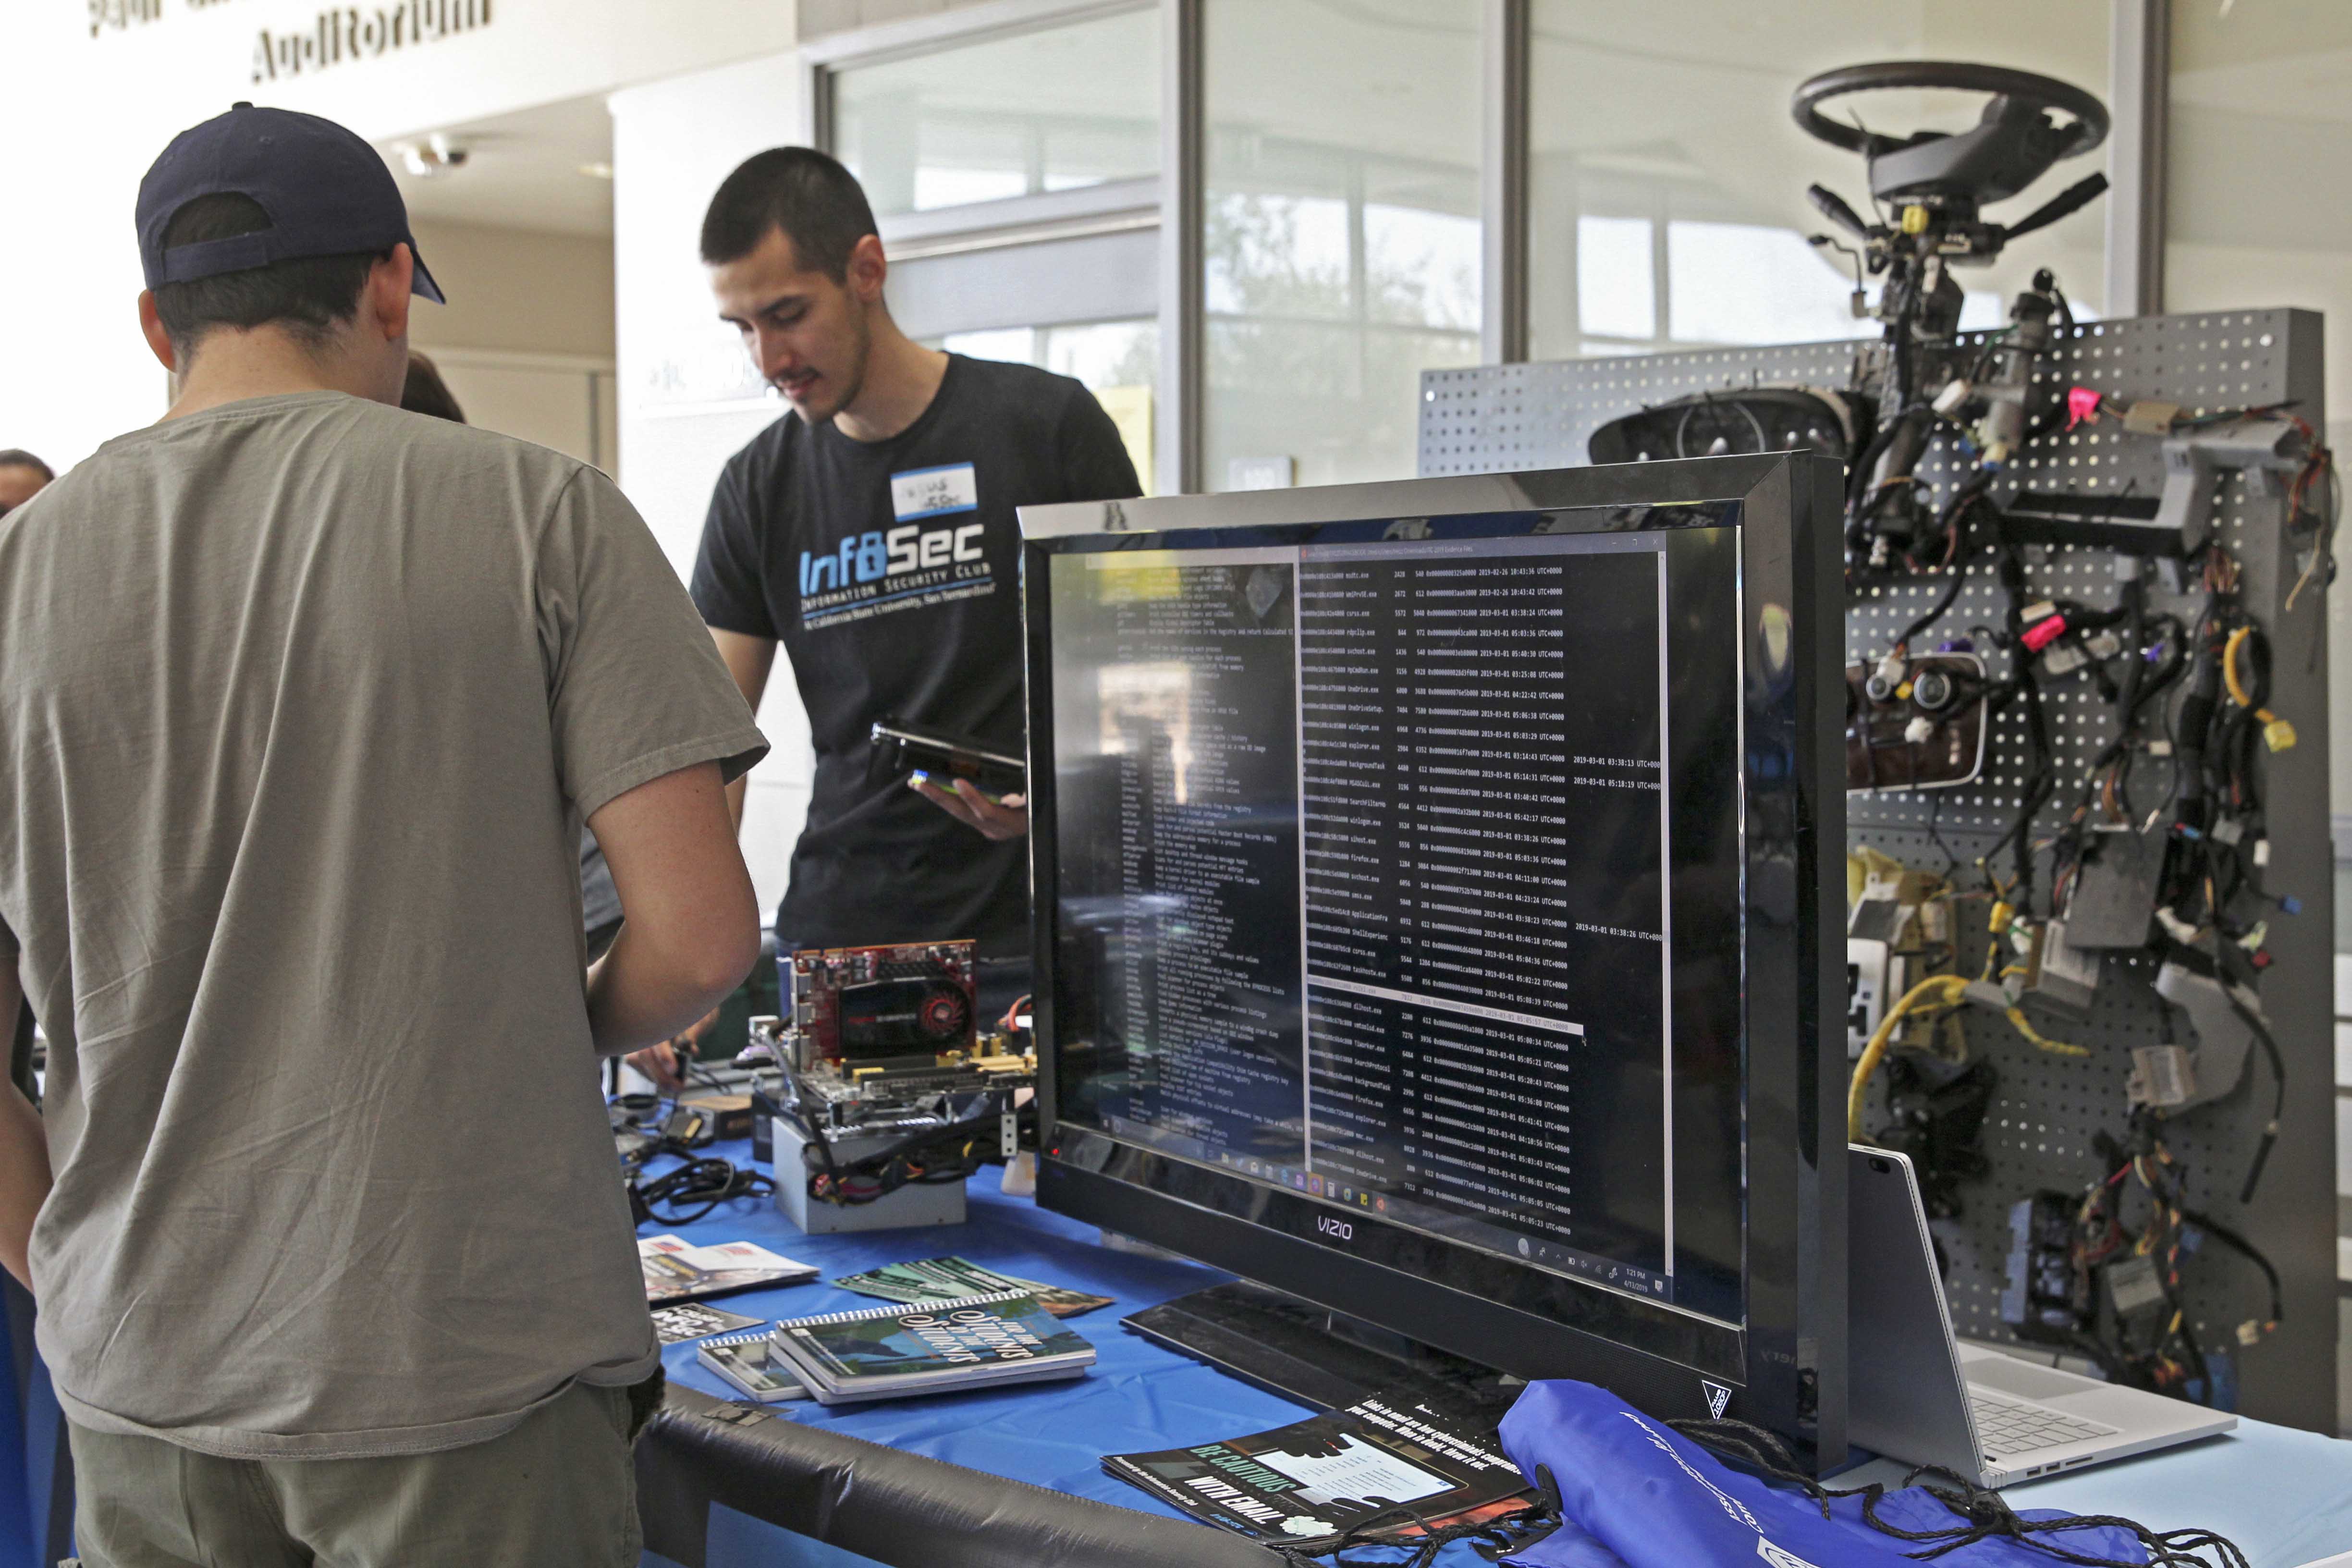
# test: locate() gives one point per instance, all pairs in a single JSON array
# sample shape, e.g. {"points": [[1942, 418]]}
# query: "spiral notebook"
{"points": [[892, 1351]]}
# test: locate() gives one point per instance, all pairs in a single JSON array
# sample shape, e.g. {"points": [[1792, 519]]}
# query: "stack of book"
{"points": [[953, 1279], [895, 1352]]}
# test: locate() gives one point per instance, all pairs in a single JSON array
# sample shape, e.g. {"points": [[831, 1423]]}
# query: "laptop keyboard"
{"points": [[2007, 1427]]}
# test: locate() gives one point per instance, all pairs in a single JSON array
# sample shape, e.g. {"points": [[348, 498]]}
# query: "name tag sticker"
{"points": [[930, 492]]}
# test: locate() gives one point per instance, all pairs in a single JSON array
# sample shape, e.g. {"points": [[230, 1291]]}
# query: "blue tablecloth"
{"points": [[1137, 1396], [2285, 1496]]}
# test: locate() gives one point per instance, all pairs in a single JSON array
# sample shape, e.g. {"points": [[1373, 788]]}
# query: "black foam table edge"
{"points": [[900, 1508]]}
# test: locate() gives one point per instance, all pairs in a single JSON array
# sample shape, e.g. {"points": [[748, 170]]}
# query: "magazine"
{"points": [[683, 1321], [677, 1270], [1394, 1465], [951, 1278], [749, 1363], [888, 1353]]}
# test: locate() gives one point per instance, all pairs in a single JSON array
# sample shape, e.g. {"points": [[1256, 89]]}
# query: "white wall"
{"points": [[84, 115], [689, 398], [562, 401], [521, 289], [525, 340]]}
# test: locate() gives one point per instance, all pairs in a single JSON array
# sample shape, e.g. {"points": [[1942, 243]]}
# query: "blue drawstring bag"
{"points": [[1633, 1493]]}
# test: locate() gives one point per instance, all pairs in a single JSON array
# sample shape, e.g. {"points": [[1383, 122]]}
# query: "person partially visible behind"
{"points": [[22, 476], [423, 390], [871, 534], [302, 702], [599, 904]]}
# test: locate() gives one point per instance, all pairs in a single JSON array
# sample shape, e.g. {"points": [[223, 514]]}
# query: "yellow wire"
{"points": [[2237, 692], [1945, 990], [2055, 1047], [1936, 990]]}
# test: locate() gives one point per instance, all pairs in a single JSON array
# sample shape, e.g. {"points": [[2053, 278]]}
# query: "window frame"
{"points": [[1172, 202], [1049, 220], [822, 60]]}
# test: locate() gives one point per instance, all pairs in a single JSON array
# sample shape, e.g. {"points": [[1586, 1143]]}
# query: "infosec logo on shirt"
{"points": [[908, 567]]}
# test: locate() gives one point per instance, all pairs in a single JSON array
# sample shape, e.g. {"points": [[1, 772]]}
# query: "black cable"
{"points": [[2065, 311], [966, 1130], [1979, 1513], [2022, 685], [1935, 836], [1935, 612], [2244, 1249], [1857, 483], [1955, 516], [708, 1182], [1495, 1536], [2138, 690], [798, 1110], [885, 1169], [2195, 721], [2278, 1087], [2135, 608], [2198, 1371]]}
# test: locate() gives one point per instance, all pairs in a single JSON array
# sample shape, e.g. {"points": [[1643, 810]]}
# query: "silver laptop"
{"points": [[1915, 1393]]}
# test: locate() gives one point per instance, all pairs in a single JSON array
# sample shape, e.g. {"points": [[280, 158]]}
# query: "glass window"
{"points": [[1118, 360], [1018, 115], [2258, 212], [1342, 244], [1667, 181]]}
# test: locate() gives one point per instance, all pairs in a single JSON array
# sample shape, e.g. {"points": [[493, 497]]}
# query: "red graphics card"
{"points": [[860, 1007]]}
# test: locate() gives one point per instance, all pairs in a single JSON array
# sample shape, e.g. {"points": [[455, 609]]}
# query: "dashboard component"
{"points": [[1748, 420], [1924, 729]]}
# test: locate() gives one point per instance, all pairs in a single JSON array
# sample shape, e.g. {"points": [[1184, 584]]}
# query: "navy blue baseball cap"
{"points": [[326, 193]]}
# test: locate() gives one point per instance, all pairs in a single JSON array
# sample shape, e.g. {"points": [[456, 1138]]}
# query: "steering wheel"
{"points": [[2024, 88]]}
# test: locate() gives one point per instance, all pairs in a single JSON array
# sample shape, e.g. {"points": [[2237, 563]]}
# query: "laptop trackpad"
{"points": [[2007, 1374]]}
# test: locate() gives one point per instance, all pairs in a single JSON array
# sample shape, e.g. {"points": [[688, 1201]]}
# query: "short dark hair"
{"points": [[307, 296], [818, 205], [425, 392], [17, 457]]}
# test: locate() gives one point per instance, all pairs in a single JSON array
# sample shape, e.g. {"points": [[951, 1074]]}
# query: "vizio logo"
{"points": [[1339, 1228]]}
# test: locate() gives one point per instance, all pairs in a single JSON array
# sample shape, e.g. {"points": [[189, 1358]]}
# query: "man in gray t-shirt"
{"points": [[303, 701], [599, 904]]}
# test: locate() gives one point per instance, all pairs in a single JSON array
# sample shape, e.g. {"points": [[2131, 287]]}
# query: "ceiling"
{"points": [[522, 171]]}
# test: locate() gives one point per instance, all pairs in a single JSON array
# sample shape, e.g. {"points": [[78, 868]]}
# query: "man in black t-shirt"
{"points": [[871, 531]]}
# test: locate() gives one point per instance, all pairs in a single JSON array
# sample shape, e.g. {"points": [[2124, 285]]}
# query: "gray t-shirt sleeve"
{"points": [[636, 689]]}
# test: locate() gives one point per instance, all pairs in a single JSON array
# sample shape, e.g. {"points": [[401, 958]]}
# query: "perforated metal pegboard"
{"points": [[2048, 1108]]}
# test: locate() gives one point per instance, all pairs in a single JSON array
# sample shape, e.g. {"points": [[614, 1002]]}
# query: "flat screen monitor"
{"points": [[1437, 887]]}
